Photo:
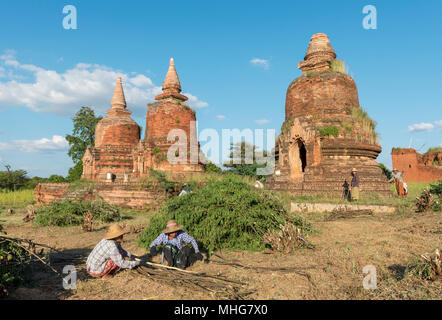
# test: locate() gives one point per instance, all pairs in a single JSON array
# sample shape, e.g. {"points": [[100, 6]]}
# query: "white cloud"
{"points": [[194, 102], [262, 121], [438, 123], [260, 62], [221, 117], [83, 85], [57, 143], [421, 127]]}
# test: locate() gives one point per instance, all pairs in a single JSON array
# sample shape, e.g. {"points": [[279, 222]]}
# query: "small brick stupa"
{"points": [[325, 133], [119, 153]]}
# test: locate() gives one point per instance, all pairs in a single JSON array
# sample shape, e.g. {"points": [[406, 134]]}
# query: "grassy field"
{"points": [[16, 199], [404, 204]]}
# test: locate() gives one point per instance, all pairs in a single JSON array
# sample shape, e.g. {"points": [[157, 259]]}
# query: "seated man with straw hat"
{"points": [[108, 256], [174, 252]]}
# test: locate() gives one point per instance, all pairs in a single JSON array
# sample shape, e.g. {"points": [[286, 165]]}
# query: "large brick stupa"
{"points": [[325, 133]]}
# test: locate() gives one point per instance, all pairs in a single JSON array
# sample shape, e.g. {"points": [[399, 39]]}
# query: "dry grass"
{"points": [[333, 270]]}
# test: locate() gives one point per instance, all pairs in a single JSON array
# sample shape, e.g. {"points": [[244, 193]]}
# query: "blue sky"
{"points": [[47, 73]]}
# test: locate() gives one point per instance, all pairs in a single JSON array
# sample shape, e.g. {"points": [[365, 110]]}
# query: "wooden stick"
{"points": [[168, 267], [36, 256]]}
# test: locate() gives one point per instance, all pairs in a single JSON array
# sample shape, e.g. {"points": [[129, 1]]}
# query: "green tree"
{"points": [[211, 167], [13, 179], [245, 159], [386, 171], [83, 135], [33, 182], [75, 172], [56, 179]]}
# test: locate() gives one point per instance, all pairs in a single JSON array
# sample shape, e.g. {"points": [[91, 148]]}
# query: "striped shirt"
{"points": [[180, 237], [105, 250]]}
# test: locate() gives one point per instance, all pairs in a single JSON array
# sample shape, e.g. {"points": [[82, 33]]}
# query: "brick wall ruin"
{"points": [[416, 167], [128, 195]]}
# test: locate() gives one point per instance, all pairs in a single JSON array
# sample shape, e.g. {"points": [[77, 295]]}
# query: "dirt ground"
{"points": [[333, 270]]}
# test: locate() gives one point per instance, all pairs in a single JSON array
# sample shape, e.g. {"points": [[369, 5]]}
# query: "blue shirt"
{"points": [[178, 240]]}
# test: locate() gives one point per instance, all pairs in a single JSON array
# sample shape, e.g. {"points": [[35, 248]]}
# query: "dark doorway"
{"points": [[302, 155]]}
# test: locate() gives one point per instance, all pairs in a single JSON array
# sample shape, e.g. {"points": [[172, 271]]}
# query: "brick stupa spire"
{"points": [[118, 100], [319, 54], [171, 85]]}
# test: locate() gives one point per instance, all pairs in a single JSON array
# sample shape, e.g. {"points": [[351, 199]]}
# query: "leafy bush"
{"points": [[436, 190], [14, 264], [226, 213], [71, 213], [211, 167], [329, 131], [386, 171]]}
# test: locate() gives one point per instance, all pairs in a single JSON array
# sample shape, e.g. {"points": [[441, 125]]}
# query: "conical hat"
{"points": [[114, 232], [172, 226]]}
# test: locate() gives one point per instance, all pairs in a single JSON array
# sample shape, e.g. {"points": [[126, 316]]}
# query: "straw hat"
{"points": [[114, 232], [172, 226], [354, 170]]}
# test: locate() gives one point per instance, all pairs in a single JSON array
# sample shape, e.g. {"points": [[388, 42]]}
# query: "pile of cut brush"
{"points": [[217, 285], [430, 199], [429, 268]]}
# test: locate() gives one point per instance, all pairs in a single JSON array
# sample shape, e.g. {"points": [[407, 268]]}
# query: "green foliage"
{"points": [[177, 120], [437, 149], [386, 171], [419, 269], [362, 116], [13, 179], [14, 265], [212, 168], [156, 150], [329, 131], [158, 179], [83, 134], [241, 154], [33, 182], [71, 213], [224, 214], [75, 172], [56, 179], [436, 189]]}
